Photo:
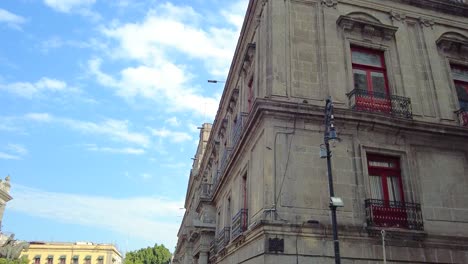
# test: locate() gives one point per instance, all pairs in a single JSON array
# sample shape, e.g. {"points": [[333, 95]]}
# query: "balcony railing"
{"points": [[381, 213], [463, 114], [458, 1], [239, 223], [223, 238], [238, 128], [363, 100], [213, 250], [224, 160]]}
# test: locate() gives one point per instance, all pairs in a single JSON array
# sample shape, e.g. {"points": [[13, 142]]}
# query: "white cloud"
{"points": [[174, 136], [130, 151], [117, 130], [163, 44], [18, 149], [165, 83], [146, 176], [147, 218], [39, 117], [11, 19], [30, 90], [66, 6], [174, 28], [7, 156], [173, 121]]}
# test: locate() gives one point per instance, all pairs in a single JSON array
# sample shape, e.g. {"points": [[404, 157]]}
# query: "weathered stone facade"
{"points": [[258, 192]]}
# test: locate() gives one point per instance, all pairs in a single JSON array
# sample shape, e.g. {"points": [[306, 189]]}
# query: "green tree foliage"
{"points": [[150, 255], [22, 260]]}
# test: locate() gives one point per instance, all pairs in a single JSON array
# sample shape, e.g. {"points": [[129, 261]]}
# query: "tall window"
{"points": [[37, 260], [385, 178], [50, 260], [62, 260], [75, 260], [387, 203], [460, 78], [370, 79]]}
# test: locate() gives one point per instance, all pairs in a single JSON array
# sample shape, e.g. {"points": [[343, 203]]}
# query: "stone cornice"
{"points": [[445, 6]]}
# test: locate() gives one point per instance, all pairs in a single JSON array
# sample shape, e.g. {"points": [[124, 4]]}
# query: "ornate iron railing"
{"points": [[463, 115], [363, 100], [224, 160], [223, 238], [381, 213], [458, 1], [239, 223], [238, 128], [213, 250], [205, 190]]}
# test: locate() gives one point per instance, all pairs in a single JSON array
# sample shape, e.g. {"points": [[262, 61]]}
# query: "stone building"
{"points": [[72, 253], [397, 71]]}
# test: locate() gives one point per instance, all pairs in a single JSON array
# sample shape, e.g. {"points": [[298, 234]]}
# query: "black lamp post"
{"points": [[330, 134]]}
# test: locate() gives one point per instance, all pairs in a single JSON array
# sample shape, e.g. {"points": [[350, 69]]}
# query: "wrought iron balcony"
{"points": [[238, 128], [239, 223], [224, 160], [463, 114], [222, 239], [381, 213], [367, 101], [213, 250], [457, 1]]}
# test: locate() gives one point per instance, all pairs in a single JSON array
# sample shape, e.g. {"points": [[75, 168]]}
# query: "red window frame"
{"points": [[37, 261], [384, 172], [62, 261], [388, 213], [50, 261], [462, 83], [372, 102]]}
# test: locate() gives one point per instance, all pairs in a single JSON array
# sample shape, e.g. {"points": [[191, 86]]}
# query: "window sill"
{"points": [[397, 233]]}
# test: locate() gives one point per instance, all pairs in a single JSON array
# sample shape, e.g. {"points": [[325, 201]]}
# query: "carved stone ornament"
{"points": [[369, 29], [233, 100], [454, 43], [249, 57], [426, 22], [330, 3], [397, 16]]}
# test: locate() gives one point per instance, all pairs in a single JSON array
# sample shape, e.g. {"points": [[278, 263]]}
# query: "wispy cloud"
{"points": [[116, 130], [173, 121], [30, 90], [144, 217], [7, 156], [12, 20], [13, 152], [173, 136], [18, 149], [130, 151], [67, 6]]}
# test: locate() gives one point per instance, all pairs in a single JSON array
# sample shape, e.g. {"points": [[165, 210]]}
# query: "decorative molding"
{"points": [[395, 16], [249, 57], [453, 43], [369, 29], [426, 22], [233, 100], [330, 3]]}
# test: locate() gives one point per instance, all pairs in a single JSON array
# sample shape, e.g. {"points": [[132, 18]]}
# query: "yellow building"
{"points": [[72, 253]]}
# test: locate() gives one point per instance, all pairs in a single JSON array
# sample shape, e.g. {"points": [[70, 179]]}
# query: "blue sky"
{"points": [[100, 104]]}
